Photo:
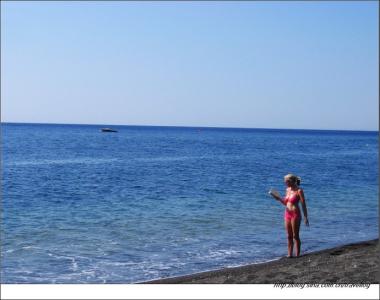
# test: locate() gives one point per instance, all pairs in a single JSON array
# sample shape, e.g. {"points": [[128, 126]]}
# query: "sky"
{"points": [[301, 65]]}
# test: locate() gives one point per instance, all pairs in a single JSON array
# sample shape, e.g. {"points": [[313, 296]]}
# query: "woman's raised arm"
{"points": [[278, 198]]}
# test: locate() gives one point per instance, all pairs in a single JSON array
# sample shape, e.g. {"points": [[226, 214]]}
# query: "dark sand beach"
{"points": [[353, 263]]}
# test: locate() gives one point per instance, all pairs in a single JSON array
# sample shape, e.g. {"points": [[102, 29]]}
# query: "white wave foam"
{"points": [[74, 264], [29, 247], [221, 253], [120, 264]]}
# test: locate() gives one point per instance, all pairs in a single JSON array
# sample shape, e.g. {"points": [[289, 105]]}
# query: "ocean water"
{"points": [[82, 206]]}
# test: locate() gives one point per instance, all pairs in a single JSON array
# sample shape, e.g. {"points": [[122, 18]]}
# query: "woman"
{"points": [[294, 195]]}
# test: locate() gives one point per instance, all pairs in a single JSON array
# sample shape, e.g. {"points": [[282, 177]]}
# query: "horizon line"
{"points": [[188, 126]]}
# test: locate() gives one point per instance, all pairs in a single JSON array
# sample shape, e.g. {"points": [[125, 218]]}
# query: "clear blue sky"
{"points": [[311, 65]]}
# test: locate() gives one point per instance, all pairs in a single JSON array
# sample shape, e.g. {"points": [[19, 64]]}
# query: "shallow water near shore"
{"points": [[82, 206]]}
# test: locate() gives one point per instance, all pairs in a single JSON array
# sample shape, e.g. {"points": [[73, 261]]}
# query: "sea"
{"points": [[83, 206]]}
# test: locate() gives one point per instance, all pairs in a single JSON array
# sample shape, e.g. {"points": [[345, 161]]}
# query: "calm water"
{"points": [[81, 206]]}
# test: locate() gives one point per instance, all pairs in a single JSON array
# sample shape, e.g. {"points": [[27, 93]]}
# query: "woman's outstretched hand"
{"points": [[307, 222], [274, 194]]}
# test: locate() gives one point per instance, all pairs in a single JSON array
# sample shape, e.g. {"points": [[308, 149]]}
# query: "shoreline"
{"points": [[350, 263]]}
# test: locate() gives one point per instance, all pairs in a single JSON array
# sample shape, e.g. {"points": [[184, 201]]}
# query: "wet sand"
{"points": [[353, 263]]}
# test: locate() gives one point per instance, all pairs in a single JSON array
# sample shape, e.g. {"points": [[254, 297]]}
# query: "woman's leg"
{"points": [[296, 222], [289, 232]]}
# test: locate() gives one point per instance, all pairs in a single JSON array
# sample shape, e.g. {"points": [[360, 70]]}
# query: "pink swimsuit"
{"points": [[293, 198]]}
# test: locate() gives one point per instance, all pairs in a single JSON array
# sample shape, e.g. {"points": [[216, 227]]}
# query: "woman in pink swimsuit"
{"points": [[292, 217]]}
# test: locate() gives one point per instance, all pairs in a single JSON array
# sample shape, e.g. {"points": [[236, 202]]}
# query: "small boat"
{"points": [[108, 130]]}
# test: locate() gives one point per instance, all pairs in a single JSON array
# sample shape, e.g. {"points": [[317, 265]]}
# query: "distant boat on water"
{"points": [[108, 130]]}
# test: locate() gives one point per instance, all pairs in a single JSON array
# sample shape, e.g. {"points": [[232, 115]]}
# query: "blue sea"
{"points": [[83, 206]]}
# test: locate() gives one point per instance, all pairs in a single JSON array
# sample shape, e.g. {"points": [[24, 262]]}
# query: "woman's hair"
{"points": [[293, 178]]}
